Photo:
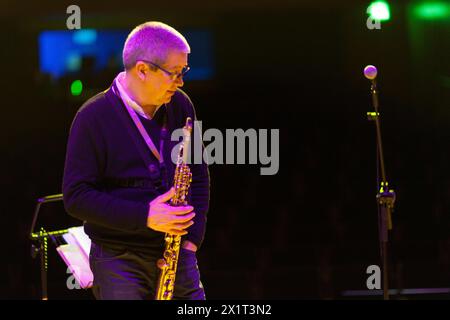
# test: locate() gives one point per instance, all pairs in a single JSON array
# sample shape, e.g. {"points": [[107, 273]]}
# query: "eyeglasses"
{"points": [[172, 75]]}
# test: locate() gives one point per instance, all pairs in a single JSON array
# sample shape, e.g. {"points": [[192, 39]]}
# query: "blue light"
{"points": [[64, 52], [85, 36]]}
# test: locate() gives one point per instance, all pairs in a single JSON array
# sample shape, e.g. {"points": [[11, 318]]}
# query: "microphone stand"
{"points": [[385, 197]]}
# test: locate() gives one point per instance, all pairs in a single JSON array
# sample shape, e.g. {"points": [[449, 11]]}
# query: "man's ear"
{"points": [[141, 70]]}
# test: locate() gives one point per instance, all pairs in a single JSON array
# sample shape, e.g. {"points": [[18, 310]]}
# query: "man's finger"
{"points": [[181, 226], [183, 218], [181, 210], [177, 232]]}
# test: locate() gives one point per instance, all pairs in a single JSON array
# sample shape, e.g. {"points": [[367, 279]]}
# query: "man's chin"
{"points": [[167, 97]]}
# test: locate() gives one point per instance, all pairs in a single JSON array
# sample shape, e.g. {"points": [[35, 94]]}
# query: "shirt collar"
{"points": [[126, 98]]}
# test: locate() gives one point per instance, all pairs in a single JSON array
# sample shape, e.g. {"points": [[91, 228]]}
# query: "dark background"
{"points": [[311, 230]]}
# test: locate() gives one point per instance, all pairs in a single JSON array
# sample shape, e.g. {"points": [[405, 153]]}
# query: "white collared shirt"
{"points": [[126, 98]]}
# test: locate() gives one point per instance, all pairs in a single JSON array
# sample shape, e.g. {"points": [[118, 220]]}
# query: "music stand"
{"points": [[75, 252]]}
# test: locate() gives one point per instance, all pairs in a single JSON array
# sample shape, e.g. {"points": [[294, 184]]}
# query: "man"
{"points": [[119, 183]]}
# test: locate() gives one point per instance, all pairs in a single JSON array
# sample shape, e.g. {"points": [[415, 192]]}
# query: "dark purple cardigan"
{"points": [[100, 149]]}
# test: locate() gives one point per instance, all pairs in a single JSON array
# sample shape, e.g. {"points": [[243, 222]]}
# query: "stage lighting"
{"points": [[436, 10], [76, 87], [379, 10]]}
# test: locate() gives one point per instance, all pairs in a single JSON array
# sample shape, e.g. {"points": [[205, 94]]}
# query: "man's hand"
{"points": [[165, 218]]}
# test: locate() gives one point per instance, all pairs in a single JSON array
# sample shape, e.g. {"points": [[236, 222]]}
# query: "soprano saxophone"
{"points": [[182, 180]]}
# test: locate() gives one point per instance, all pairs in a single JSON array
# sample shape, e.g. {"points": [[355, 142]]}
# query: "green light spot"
{"points": [[433, 10], [76, 87], [379, 10]]}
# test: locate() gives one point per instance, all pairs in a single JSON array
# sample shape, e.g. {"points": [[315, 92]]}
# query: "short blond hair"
{"points": [[152, 41]]}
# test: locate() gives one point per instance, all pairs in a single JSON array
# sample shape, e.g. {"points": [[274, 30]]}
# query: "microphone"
{"points": [[370, 72]]}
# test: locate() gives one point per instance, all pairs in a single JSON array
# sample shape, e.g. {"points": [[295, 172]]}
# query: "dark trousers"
{"points": [[120, 274]]}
